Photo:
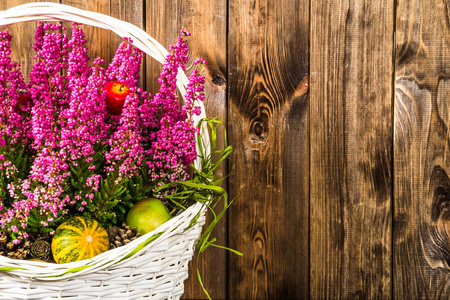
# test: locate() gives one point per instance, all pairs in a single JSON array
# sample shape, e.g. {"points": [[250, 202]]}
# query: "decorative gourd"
{"points": [[79, 238]]}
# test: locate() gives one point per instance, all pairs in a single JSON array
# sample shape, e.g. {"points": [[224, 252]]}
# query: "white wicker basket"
{"points": [[152, 266]]}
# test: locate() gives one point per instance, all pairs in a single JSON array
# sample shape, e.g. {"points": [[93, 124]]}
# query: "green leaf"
{"points": [[228, 249], [76, 269], [200, 278], [7, 269], [142, 245]]}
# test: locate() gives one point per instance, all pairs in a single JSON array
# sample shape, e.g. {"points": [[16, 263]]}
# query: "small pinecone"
{"points": [[119, 236], [19, 251], [3, 243], [40, 249]]}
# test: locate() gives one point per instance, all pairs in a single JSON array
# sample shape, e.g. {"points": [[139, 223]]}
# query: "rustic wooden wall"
{"points": [[339, 115]]}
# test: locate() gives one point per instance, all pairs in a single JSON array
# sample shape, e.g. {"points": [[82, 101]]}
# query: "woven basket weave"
{"points": [[152, 266]]}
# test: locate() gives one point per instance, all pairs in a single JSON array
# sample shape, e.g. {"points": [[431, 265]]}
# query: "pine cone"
{"points": [[41, 249], [3, 242], [18, 251], [119, 236], [112, 232]]}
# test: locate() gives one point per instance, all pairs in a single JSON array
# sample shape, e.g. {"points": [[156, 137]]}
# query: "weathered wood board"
{"points": [[351, 149], [421, 143], [268, 125]]}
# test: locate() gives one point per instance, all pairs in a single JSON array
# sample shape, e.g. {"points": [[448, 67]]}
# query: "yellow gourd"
{"points": [[79, 238]]}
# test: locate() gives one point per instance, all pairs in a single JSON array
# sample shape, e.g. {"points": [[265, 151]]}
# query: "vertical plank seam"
{"points": [[309, 154], [227, 166], [144, 60], [394, 29]]}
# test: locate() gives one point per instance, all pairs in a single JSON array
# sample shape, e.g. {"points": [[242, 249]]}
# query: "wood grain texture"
{"points": [[103, 43], [206, 20], [99, 41], [351, 149], [131, 12], [268, 125], [421, 140], [23, 38]]}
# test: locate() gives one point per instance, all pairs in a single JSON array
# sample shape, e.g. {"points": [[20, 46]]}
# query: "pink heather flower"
{"points": [[169, 132], [126, 152], [194, 91], [93, 110], [13, 125], [165, 102], [44, 191], [48, 89], [77, 138], [126, 64]]}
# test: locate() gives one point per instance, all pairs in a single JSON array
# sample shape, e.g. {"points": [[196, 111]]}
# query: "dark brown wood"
{"points": [[422, 120], [351, 149], [268, 125], [206, 20]]}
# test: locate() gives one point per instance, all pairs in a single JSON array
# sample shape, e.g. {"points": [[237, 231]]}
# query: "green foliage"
{"points": [[141, 186], [17, 156], [110, 201]]}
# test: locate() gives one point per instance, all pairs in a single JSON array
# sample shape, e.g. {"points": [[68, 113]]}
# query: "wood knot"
{"points": [[258, 128], [435, 232], [303, 87], [443, 229], [258, 131], [437, 242], [218, 80]]}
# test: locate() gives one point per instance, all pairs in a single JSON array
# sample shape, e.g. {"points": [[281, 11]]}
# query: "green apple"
{"points": [[147, 214]]}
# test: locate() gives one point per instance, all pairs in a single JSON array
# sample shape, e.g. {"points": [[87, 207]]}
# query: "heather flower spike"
{"points": [[170, 137]]}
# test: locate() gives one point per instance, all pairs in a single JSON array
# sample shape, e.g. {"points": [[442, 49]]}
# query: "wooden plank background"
{"points": [[351, 149], [339, 114]]}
